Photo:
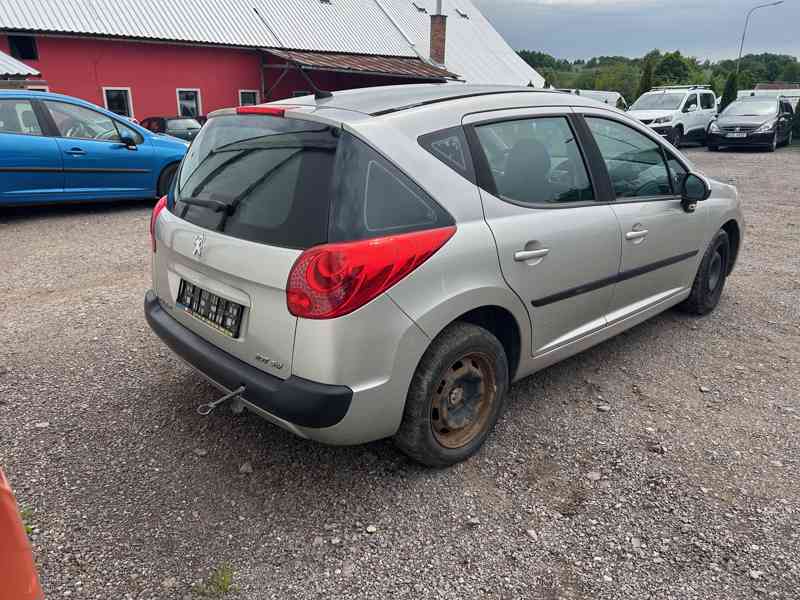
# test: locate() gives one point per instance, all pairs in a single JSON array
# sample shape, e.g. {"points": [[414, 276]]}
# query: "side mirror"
{"points": [[127, 139], [693, 190]]}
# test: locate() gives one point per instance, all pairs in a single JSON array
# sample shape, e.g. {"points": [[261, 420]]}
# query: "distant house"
{"points": [[189, 57]]}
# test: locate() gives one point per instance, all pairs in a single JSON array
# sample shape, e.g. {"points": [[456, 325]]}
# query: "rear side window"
{"points": [[295, 184], [535, 161], [372, 198], [707, 101], [450, 146], [17, 116]]}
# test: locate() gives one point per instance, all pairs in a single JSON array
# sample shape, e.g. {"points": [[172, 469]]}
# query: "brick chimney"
{"points": [[438, 35]]}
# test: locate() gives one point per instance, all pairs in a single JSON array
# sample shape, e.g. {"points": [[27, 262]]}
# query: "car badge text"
{"points": [[199, 244]]}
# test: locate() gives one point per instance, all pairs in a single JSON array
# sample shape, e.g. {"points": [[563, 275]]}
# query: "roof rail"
{"points": [[680, 87]]}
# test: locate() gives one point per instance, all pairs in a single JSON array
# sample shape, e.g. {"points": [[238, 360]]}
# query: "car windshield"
{"points": [[183, 124], [658, 102], [751, 108]]}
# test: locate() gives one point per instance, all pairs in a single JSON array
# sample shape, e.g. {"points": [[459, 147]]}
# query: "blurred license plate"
{"points": [[223, 315], [736, 135]]}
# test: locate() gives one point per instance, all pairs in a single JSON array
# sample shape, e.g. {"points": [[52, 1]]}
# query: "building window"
{"points": [[118, 100], [23, 47], [189, 104], [248, 97]]}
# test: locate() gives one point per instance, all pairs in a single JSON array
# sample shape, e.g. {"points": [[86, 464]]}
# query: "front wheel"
{"points": [[675, 137], [455, 398], [710, 279], [774, 145]]}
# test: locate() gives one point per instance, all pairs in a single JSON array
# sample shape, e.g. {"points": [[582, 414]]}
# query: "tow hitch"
{"points": [[207, 409]]}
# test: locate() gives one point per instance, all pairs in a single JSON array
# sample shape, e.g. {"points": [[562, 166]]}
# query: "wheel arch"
{"points": [[731, 227]]}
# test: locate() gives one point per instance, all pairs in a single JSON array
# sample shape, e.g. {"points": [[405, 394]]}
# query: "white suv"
{"points": [[678, 113]]}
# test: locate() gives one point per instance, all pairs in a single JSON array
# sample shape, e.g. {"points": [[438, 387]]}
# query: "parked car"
{"points": [[678, 113], [384, 263], [56, 148], [753, 121], [611, 98], [184, 128]]}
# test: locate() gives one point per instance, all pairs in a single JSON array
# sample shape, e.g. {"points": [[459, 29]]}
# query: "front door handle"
{"points": [[76, 152], [637, 235], [525, 255]]}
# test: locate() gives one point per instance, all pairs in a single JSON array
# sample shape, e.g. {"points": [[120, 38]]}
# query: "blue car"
{"points": [[55, 148]]}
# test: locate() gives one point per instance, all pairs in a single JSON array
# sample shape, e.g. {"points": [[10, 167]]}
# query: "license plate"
{"points": [[736, 135], [220, 314]]}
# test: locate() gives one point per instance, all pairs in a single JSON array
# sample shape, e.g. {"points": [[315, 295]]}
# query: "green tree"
{"points": [[646, 82], [731, 89], [746, 81], [672, 69], [791, 73]]}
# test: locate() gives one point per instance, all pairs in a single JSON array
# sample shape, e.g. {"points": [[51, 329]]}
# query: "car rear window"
{"points": [[183, 124], [295, 184]]}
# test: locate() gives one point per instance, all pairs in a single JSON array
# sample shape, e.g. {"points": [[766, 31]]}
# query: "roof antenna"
{"points": [[318, 93]]}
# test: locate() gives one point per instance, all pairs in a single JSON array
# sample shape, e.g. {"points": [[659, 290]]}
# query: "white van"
{"points": [[678, 113]]}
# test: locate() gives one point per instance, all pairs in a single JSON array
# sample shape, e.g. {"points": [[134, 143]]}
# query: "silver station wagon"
{"points": [[385, 262]]}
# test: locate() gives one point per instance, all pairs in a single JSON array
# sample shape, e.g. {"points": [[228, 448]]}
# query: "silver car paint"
{"points": [[376, 349]]}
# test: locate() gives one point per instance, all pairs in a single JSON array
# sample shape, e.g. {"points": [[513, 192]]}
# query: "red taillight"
{"points": [[335, 279], [160, 205], [270, 111]]}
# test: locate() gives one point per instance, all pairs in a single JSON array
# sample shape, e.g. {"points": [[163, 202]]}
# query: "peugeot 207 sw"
{"points": [[385, 262]]}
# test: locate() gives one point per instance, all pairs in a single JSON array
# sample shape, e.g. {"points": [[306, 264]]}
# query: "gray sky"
{"points": [[585, 28]]}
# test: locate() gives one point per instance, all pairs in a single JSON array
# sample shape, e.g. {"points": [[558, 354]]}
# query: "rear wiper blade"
{"points": [[215, 205]]}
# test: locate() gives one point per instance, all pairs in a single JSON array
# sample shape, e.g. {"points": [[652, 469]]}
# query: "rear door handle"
{"points": [[76, 152], [525, 255], [637, 235]]}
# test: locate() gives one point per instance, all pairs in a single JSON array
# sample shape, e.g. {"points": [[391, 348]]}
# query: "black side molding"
{"points": [[622, 276], [299, 401]]}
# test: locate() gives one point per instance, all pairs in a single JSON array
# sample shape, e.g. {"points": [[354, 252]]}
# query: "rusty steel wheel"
{"points": [[463, 401], [456, 396]]}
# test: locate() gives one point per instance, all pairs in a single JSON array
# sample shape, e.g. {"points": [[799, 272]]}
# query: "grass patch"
{"points": [[217, 584], [26, 514]]}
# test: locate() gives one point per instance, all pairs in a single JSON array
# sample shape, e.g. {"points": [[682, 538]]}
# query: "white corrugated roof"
{"points": [[11, 67], [475, 50], [380, 27]]}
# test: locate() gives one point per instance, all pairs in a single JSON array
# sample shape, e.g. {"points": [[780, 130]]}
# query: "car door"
{"points": [[96, 164], [660, 240], [785, 120], [559, 248], [30, 162], [692, 114]]}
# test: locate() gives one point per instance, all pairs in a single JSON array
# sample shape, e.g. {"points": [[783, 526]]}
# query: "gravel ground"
{"points": [[684, 486]]}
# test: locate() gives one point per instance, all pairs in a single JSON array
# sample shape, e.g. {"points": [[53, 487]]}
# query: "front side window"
{"points": [[118, 100], [535, 161], [633, 160], [83, 123], [677, 173], [691, 101], [17, 116], [707, 101], [189, 103]]}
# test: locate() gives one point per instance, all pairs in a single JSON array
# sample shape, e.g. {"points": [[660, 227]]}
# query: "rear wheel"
{"points": [[710, 279], [676, 136], [455, 397], [165, 179]]}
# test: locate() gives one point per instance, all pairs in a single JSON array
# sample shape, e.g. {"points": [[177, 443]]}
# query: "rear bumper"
{"points": [[295, 400]]}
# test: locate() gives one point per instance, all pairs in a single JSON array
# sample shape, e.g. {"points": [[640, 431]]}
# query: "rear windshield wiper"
{"points": [[215, 205]]}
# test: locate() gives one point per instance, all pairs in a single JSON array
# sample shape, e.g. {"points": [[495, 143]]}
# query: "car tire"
{"points": [[710, 279], [165, 179], [774, 145], [466, 368], [676, 136]]}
